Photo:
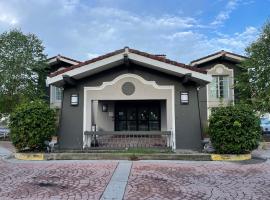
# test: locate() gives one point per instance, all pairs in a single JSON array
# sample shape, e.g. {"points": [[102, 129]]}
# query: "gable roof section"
{"points": [[225, 54], [65, 59], [115, 58], [80, 64]]}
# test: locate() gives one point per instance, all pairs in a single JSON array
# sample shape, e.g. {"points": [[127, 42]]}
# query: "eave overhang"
{"points": [[121, 58]]}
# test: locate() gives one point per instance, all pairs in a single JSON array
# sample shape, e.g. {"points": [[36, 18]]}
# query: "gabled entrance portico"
{"points": [[143, 108]]}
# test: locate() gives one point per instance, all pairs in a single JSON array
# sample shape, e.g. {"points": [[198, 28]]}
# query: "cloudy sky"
{"points": [[183, 30]]}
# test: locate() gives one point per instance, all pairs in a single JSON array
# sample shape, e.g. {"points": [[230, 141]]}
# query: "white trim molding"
{"points": [[220, 54], [117, 59], [101, 93]]}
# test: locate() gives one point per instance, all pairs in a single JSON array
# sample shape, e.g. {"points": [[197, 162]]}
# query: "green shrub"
{"points": [[31, 124], [234, 129]]}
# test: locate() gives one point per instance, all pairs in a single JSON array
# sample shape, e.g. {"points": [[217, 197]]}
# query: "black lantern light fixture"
{"points": [[184, 98], [74, 99]]}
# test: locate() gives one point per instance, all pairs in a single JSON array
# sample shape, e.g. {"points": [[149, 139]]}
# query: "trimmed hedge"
{"points": [[234, 129], [31, 124]]}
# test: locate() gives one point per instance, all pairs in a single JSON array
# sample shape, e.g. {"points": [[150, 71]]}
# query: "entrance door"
{"points": [[137, 116]]}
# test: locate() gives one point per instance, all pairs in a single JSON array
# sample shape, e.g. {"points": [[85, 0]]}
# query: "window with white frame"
{"points": [[56, 94], [219, 87]]}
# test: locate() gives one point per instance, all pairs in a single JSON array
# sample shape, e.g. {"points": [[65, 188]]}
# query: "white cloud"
{"points": [[237, 41], [92, 55], [174, 21], [119, 16], [192, 45], [84, 30], [181, 35], [225, 14], [68, 6], [7, 16], [8, 19]]}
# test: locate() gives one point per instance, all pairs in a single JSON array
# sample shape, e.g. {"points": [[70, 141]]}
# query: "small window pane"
{"points": [[131, 114], [143, 113], [143, 125], [154, 126], [121, 126], [131, 126], [58, 94], [121, 114], [154, 113], [219, 87]]}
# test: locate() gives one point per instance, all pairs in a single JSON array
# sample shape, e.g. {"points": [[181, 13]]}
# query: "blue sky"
{"points": [[183, 30]]}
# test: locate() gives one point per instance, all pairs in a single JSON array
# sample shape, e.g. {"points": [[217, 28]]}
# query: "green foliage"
{"points": [[234, 129], [22, 69], [253, 85], [31, 124]]}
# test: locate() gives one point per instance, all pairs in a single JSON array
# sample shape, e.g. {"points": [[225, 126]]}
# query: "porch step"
{"points": [[128, 156]]}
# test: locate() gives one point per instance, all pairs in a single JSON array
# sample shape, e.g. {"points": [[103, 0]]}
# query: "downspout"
{"points": [[199, 110]]}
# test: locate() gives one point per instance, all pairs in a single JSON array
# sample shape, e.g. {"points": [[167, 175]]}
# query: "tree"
{"points": [[254, 83], [22, 69]]}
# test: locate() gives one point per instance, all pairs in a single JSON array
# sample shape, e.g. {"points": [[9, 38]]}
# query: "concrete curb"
{"points": [[126, 156], [111, 156], [230, 157], [29, 156]]}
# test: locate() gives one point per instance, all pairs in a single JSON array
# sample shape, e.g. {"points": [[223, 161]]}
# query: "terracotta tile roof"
{"points": [[222, 52], [154, 57], [168, 61]]}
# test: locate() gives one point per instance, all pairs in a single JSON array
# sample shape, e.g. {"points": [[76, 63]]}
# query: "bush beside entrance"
{"points": [[31, 124], [234, 129]]}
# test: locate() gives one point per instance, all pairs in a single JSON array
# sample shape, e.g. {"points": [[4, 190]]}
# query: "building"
{"points": [[128, 92], [129, 98]]}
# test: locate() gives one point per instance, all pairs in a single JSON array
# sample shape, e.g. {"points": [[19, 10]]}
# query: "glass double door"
{"points": [[137, 116]]}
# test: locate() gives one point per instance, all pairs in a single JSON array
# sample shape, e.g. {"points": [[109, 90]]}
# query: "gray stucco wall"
{"points": [[187, 123]]}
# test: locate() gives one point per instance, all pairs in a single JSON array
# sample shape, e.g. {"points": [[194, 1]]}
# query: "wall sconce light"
{"points": [[104, 107], [74, 99], [184, 98]]}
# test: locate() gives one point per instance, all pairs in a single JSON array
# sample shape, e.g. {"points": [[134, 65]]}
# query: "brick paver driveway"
{"points": [[50, 180], [199, 181], [147, 180]]}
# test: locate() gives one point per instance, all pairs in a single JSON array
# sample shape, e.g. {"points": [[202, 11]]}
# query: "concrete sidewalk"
{"points": [[6, 149], [263, 154], [5, 153]]}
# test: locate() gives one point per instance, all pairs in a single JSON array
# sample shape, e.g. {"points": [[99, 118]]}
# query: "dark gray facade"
{"points": [[187, 119]]}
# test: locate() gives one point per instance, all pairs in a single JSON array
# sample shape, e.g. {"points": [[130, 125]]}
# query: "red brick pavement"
{"points": [[54, 180], [198, 181]]}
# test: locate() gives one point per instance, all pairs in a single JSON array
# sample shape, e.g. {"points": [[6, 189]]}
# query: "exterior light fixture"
{"points": [[74, 99], [104, 107], [184, 98]]}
